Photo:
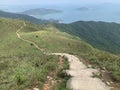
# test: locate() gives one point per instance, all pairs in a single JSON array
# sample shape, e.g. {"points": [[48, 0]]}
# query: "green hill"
{"points": [[101, 35], [22, 66]]}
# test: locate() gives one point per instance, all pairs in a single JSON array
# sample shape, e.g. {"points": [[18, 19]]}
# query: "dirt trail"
{"points": [[28, 41], [81, 75]]}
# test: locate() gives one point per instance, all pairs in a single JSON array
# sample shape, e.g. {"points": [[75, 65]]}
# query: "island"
{"points": [[82, 9], [41, 11]]}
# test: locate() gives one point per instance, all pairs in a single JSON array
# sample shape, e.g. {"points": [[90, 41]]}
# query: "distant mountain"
{"points": [[102, 35], [40, 11], [23, 17], [82, 9]]}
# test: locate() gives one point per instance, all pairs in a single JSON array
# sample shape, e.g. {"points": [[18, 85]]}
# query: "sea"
{"points": [[107, 12]]}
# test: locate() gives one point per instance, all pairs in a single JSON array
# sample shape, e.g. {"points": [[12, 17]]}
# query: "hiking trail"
{"points": [[82, 77]]}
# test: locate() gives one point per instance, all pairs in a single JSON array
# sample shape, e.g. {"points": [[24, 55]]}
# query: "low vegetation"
{"points": [[22, 66], [101, 35], [55, 41]]}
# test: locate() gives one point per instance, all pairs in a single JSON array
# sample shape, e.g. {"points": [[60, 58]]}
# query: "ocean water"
{"points": [[96, 12]]}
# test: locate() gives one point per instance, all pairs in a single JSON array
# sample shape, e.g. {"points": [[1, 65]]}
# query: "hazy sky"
{"points": [[55, 1]]}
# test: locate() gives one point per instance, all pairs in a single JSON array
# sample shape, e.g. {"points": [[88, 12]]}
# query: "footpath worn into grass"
{"points": [[81, 75], [19, 36], [22, 65]]}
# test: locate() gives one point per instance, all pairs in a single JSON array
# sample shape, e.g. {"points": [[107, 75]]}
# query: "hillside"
{"points": [[23, 66], [23, 17], [101, 35], [40, 11]]}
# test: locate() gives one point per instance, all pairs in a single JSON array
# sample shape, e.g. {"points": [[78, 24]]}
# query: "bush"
{"points": [[20, 76]]}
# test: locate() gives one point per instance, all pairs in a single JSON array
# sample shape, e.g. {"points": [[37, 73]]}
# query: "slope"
{"points": [[52, 40], [76, 67], [101, 35], [23, 66]]}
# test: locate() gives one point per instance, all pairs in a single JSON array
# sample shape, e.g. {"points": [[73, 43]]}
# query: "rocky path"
{"points": [[81, 75]]}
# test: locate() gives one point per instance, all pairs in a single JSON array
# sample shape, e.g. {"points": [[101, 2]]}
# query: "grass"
{"points": [[53, 40], [22, 65], [100, 59], [21, 71], [101, 35]]}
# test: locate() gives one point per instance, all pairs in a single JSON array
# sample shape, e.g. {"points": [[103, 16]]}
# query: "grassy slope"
{"points": [[21, 65], [101, 35], [21, 62], [54, 41]]}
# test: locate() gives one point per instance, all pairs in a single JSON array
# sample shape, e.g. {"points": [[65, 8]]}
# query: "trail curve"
{"points": [[81, 75]]}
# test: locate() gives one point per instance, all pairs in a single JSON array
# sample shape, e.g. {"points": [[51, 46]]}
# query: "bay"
{"points": [[97, 12]]}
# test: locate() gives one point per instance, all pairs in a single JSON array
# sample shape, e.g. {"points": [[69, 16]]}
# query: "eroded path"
{"points": [[81, 75]]}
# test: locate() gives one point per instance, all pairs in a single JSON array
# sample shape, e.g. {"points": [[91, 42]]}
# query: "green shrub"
{"points": [[20, 76]]}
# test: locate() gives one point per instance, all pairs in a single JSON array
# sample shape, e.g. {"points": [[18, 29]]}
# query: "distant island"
{"points": [[40, 11], [4, 14], [82, 9]]}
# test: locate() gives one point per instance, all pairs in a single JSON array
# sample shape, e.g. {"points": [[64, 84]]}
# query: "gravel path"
{"points": [[81, 75]]}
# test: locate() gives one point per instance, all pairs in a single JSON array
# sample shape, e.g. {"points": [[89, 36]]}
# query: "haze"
{"points": [[47, 2]]}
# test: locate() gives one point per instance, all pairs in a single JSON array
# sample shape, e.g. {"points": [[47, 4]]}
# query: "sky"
{"points": [[27, 2]]}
